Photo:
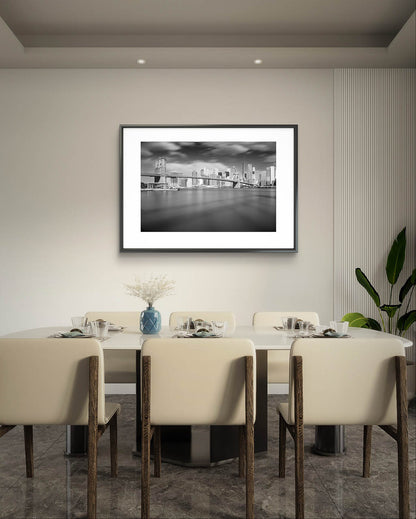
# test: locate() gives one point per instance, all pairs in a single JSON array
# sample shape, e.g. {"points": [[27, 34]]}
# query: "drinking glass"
{"points": [[100, 329], [179, 325], [291, 323], [304, 328], [182, 326], [87, 329], [219, 328], [79, 322], [339, 326]]}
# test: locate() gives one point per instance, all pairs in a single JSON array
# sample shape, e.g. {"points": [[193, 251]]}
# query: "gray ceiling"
{"points": [[201, 33]]}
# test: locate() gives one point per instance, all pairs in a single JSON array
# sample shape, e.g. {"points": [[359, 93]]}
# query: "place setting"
{"points": [[199, 328], [299, 328], [336, 330], [84, 329]]}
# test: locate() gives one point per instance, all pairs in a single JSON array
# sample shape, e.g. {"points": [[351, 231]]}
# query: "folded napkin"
{"points": [[115, 328], [334, 335], [197, 335], [330, 335], [70, 335], [205, 335]]}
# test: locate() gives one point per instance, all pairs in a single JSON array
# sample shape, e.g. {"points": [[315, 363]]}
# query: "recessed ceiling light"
{"points": [[141, 61], [258, 61]]}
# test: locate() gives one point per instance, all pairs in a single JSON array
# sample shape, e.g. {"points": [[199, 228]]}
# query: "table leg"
{"points": [[260, 425], [76, 440], [329, 440]]}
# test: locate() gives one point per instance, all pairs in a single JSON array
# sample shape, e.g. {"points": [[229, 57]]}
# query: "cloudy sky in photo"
{"points": [[185, 157]]}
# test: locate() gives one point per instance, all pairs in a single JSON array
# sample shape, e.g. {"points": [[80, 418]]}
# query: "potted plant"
{"points": [[395, 317]]}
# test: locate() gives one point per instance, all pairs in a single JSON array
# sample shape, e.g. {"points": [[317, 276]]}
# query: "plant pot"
{"points": [[150, 321]]}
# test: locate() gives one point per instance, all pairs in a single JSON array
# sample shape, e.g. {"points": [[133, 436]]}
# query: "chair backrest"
{"points": [[346, 381], [46, 381], [198, 381], [227, 317], [129, 319], [275, 318]]}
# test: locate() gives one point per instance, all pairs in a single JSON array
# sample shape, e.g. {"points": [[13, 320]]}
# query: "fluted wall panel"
{"points": [[374, 182]]}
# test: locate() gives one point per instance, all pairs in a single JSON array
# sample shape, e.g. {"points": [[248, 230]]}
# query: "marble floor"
{"points": [[334, 487]]}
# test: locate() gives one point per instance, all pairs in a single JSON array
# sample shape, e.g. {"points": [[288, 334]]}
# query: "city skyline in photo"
{"points": [[185, 157]]}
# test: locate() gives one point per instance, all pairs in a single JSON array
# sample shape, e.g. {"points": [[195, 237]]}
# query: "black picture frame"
{"points": [[174, 198]]}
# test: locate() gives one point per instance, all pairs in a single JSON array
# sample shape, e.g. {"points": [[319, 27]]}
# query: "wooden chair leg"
{"points": [[242, 452], [92, 438], [299, 475], [92, 473], [282, 446], [145, 477], [249, 437], [367, 450], [113, 446], [28, 433], [146, 437], [250, 471], [157, 448], [402, 438], [299, 443]]}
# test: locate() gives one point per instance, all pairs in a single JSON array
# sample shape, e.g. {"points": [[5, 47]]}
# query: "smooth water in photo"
{"points": [[212, 210]]}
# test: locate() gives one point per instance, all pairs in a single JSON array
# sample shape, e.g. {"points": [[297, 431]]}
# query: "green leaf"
{"points": [[396, 256], [406, 321], [355, 319], [390, 309], [373, 324], [363, 280], [410, 281], [358, 320]]}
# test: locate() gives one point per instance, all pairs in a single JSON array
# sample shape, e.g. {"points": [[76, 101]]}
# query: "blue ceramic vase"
{"points": [[150, 321]]}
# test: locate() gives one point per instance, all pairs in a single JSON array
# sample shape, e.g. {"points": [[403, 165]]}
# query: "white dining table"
{"points": [[263, 337], [217, 443]]}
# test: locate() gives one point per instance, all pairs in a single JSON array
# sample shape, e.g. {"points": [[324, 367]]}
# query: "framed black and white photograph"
{"points": [[208, 188]]}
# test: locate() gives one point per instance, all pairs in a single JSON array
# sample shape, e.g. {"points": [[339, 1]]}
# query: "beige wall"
{"points": [[59, 191]]}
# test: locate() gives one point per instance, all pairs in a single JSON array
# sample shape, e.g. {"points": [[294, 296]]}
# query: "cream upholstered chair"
{"points": [[57, 382], [120, 365], [347, 382], [198, 382], [278, 360], [227, 317]]}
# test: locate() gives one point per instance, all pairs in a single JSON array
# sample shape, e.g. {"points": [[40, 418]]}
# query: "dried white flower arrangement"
{"points": [[151, 289]]}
